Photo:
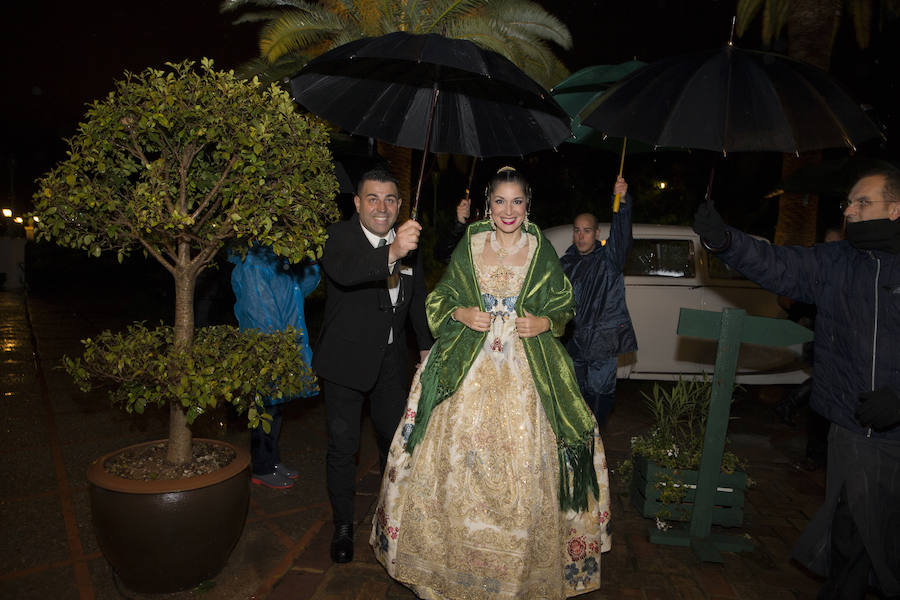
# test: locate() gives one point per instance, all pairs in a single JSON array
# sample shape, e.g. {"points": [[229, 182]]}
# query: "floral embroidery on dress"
{"points": [[473, 512], [577, 548], [590, 566], [501, 277], [405, 431]]}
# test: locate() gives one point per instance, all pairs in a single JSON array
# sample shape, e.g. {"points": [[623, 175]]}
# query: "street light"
{"points": [[7, 212]]}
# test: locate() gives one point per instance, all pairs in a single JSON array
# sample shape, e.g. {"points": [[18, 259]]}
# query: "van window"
{"points": [[661, 258]]}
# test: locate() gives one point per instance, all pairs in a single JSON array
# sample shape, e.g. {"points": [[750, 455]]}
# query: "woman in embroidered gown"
{"points": [[496, 483]]}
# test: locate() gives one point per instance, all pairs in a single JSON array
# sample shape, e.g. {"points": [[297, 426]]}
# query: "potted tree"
{"points": [[177, 162], [665, 461]]}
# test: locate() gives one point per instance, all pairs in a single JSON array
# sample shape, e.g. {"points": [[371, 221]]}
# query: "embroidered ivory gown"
{"points": [[474, 512]]}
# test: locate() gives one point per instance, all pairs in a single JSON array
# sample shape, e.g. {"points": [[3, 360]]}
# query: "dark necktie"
{"points": [[394, 278]]}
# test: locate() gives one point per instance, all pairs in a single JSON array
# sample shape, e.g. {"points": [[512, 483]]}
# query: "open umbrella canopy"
{"points": [[582, 88], [731, 100], [383, 87]]}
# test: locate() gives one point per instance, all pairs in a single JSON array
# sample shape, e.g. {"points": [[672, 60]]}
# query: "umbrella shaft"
{"points": [[414, 212], [471, 176]]}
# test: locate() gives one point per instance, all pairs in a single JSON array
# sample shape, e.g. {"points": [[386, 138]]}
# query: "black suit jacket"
{"points": [[358, 316]]}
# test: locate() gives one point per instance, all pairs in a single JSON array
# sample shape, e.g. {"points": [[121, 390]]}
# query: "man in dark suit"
{"points": [[361, 351]]}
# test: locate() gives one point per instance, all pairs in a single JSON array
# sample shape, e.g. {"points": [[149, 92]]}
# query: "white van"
{"points": [[668, 269]]}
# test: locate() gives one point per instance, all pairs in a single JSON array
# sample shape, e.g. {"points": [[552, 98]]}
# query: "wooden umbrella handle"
{"points": [[471, 175], [621, 166]]}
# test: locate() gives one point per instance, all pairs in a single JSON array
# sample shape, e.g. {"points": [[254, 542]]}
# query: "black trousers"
{"points": [[343, 408], [848, 577], [264, 454]]}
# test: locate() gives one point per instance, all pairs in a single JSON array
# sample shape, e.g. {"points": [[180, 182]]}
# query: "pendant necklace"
{"points": [[502, 252]]}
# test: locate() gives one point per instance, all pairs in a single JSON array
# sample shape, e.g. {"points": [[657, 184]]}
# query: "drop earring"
{"points": [[525, 222]]}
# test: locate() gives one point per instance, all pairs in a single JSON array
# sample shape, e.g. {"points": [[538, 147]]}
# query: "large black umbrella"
{"points": [[731, 100], [431, 93]]}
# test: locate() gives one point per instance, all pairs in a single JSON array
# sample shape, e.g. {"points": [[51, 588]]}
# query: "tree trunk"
{"points": [[811, 29], [400, 164], [180, 439]]}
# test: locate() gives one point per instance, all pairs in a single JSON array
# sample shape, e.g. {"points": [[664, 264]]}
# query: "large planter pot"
{"points": [[165, 536], [728, 502]]}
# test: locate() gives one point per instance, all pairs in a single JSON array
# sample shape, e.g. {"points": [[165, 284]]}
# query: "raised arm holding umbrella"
{"points": [[733, 100], [582, 89]]}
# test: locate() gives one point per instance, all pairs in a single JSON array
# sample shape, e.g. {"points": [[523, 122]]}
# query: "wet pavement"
{"points": [[51, 431]]}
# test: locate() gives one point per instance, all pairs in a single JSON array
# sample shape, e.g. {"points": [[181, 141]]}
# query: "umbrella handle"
{"points": [[471, 175], [621, 166]]}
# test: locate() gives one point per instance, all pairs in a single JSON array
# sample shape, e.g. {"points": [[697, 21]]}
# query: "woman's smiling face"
{"points": [[508, 204]]}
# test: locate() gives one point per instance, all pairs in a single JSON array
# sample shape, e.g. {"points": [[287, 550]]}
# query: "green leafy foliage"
{"points": [[196, 156], [679, 413], [177, 162], [223, 366], [294, 31], [676, 441]]}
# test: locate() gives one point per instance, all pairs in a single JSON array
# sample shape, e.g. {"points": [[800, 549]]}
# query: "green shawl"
{"points": [[546, 292]]}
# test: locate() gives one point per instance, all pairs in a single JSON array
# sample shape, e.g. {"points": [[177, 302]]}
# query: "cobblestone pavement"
{"points": [[51, 431]]}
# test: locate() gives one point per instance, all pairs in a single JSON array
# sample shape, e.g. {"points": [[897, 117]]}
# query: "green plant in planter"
{"points": [[223, 364], [177, 162], [675, 442]]}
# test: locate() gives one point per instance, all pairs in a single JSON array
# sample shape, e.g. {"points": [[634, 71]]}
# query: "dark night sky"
{"points": [[61, 55]]}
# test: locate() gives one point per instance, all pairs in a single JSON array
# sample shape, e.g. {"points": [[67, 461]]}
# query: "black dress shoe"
{"points": [[342, 543], [785, 412]]}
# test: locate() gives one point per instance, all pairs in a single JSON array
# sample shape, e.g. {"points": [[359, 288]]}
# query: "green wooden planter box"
{"points": [[728, 507]]}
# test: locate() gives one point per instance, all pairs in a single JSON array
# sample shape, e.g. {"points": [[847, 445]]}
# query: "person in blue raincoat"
{"points": [[270, 294]]}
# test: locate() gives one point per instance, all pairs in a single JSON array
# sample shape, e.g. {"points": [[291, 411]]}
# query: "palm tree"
{"points": [[812, 26], [295, 31]]}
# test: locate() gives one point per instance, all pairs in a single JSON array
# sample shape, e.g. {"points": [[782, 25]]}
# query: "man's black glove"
{"points": [[879, 409], [711, 227]]}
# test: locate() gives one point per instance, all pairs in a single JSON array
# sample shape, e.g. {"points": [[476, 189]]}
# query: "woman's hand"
{"points": [[473, 318], [530, 325]]}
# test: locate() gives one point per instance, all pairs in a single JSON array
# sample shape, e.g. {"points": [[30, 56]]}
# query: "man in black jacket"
{"points": [[854, 538], [361, 351], [601, 329]]}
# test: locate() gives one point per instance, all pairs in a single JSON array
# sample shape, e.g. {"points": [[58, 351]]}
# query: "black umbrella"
{"points": [[731, 100], [833, 177], [431, 93]]}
